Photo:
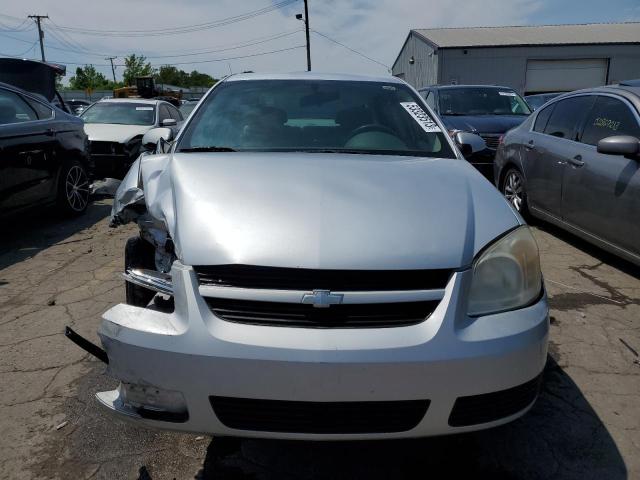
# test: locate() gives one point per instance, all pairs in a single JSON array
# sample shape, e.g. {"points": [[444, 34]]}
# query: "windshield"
{"points": [[316, 116], [481, 101], [124, 113]]}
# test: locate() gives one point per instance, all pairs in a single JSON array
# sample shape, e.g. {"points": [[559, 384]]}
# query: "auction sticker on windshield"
{"points": [[420, 116], [144, 108], [507, 94]]}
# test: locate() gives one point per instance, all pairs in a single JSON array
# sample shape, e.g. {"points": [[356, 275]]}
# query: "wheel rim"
{"points": [[514, 190], [77, 188]]}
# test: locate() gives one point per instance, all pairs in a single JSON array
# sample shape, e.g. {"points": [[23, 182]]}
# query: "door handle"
{"points": [[51, 132], [529, 145], [576, 161]]}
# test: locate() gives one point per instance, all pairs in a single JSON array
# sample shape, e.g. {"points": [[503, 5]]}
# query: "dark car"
{"points": [[539, 99], [576, 163], [43, 154], [488, 111]]}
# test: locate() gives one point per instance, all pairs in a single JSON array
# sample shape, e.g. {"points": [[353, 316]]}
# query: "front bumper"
{"points": [[444, 358]]}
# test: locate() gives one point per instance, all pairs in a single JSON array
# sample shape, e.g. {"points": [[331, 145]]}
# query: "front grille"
{"points": [[248, 276], [492, 141], [319, 417], [372, 315], [493, 406], [106, 148]]}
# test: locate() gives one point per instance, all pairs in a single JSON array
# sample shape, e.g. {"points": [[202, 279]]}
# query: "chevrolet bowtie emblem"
{"points": [[321, 298]]}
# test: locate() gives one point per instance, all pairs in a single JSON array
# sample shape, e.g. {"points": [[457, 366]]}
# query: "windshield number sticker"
{"points": [[144, 108], [507, 94], [421, 117]]}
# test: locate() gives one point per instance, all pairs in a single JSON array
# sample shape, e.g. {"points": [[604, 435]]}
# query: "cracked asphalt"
{"points": [[585, 425]]}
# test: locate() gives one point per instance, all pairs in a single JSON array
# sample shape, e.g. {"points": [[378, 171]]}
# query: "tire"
{"points": [[138, 254], [73, 189], [514, 190]]}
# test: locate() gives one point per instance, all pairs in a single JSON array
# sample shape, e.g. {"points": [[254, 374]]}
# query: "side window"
{"points": [[609, 117], [44, 112], [567, 115], [431, 99], [164, 113], [543, 118], [175, 113], [14, 109]]}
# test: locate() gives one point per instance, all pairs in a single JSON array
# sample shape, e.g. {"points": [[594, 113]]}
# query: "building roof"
{"points": [[590, 33]]}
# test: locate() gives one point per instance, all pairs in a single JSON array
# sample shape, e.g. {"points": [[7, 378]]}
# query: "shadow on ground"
{"points": [[561, 437], [588, 248], [27, 234]]}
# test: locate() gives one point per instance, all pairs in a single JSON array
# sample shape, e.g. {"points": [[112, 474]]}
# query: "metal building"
{"points": [[550, 58]]}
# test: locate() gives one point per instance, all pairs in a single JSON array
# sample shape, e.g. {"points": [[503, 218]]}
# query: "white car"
{"points": [[317, 260], [115, 128]]}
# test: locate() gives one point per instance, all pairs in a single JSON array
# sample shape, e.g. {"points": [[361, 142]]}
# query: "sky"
{"points": [[269, 42]]}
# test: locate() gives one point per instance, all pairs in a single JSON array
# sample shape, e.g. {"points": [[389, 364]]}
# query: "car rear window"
{"points": [[609, 117]]}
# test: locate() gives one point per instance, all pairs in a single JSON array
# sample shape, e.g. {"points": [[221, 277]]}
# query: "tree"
{"points": [[169, 74], [197, 79], [136, 66], [88, 77]]}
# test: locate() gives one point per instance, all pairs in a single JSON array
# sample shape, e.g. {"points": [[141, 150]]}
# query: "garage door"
{"points": [[565, 75]]}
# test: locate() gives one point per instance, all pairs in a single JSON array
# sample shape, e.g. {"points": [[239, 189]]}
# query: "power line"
{"points": [[20, 55], [350, 49], [189, 63], [177, 30]]}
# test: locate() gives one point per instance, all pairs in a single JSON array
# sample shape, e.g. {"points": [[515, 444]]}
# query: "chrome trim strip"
{"points": [[156, 281], [296, 296]]}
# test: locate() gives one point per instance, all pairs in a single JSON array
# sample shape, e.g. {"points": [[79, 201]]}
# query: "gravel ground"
{"points": [[586, 424]]}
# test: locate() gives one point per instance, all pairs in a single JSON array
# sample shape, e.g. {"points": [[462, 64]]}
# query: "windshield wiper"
{"points": [[211, 148]]}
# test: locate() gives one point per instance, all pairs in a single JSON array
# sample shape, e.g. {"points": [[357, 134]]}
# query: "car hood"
{"points": [[323, 211], [111, 132], [483, 123]]}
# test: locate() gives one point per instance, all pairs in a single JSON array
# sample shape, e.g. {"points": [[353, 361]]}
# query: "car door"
{"points": [[27, 144], [549, 144], [601, 193]]}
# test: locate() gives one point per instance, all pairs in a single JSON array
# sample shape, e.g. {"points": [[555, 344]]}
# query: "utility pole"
{"points": [[113, 69], [38, 19], [306, 25]]}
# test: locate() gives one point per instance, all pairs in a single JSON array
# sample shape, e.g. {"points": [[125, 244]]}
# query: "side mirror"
{"points": [[619, 145], [169, 122], [152, 137], [469, 143]]}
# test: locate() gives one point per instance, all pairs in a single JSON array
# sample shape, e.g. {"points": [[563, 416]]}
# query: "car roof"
{"points": [[147, 101], [26, 93], [313, 76], [632, 94]]}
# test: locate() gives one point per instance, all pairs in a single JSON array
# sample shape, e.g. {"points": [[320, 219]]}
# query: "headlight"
{"points": [[506, 275]]}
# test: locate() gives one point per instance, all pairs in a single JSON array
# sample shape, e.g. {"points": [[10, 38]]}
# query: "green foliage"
{"points": [[136, 66], [88, 77], [171, 75]]}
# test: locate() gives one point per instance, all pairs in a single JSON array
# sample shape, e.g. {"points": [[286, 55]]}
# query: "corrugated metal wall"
{"points": [[424, 70], [502, 66], [508, 65]]}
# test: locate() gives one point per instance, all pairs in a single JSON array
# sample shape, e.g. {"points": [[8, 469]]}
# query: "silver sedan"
{"points": [[318, 261]]}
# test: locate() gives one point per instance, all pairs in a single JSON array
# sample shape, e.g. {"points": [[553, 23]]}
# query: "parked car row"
{"points": [[48, 155]]}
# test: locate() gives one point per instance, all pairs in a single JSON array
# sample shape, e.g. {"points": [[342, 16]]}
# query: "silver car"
{"points": [[115, 128], [318, 261], [575, 163]]}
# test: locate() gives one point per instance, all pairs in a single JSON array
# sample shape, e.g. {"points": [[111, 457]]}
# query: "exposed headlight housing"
{"points": [[506, 275]]}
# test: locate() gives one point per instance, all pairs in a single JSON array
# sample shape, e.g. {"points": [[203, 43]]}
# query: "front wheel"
{"points": [[73, 188], [513, 189]]}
